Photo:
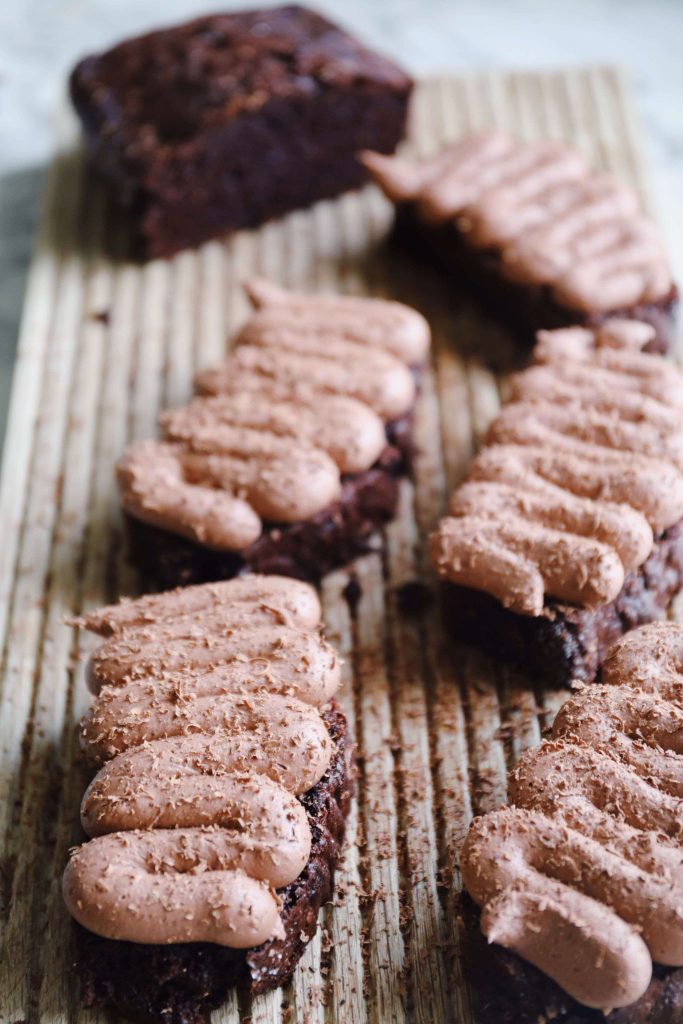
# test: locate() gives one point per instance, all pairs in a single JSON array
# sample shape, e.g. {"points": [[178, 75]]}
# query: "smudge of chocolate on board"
{"points": [[352, 594]]}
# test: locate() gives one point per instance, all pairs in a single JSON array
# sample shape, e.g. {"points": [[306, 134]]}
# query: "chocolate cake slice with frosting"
{"points": [[288, 458], [568, 529], [538, 235], [583, 875], [217, 814]]}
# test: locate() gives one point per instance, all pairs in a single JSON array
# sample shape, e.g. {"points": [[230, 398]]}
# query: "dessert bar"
{"points": [[232, 119], [539, 237], [583, 875], [567, 531], [217, 814], [289, 457]]}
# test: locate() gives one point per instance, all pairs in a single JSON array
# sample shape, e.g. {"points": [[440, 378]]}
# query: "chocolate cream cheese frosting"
{"points": [[205, 729], [550, 218], [579, 474], [305, 399], [583, 875]]}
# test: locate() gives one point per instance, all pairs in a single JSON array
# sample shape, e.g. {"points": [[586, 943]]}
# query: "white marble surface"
{"points": [[41, 39]]}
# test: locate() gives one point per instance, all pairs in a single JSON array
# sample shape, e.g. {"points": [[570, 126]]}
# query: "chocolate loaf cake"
{"points": [[541, 239], [217, 815], [582, 876], [231, 119], [289, 457], [567, 531]]}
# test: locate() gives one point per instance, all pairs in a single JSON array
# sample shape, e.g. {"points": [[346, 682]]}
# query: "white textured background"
{"points": [[41, 39]]}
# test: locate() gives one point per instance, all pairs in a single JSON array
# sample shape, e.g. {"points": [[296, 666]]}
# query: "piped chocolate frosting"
{"points": [[583, 875], [579, 473], [304, 399], [549, 217], [206, 728]]}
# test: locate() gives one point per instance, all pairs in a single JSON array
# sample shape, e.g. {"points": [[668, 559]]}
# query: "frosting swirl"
{"points": [[169, 886], [211, 648], [268, 828], [258, 599], [661, 672], [381, 324]]}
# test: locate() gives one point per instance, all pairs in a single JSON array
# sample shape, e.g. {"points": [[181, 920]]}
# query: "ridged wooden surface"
{"points": [[105, 344]]}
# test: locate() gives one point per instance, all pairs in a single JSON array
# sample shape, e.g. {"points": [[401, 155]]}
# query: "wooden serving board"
{"points": [[104, 345]]}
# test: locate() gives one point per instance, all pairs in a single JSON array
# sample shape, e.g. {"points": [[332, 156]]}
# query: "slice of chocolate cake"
{"points": [[583, 875], [539, 237], [231, 119], [567, 531], [217, 815], [289, 457]]}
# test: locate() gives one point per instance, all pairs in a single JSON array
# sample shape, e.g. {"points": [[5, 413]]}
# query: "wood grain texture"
{"points": [[104, 345]]}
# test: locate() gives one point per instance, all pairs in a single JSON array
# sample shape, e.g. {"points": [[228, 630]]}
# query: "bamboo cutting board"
{"points": [[104, 345]]}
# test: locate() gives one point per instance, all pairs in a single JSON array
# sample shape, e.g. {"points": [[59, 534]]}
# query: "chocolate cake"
{"points": [[232, 119], [541, 239], [581, 876], [180, 982], [565, 643], [567, 531], [220, 782], [508, 990], [289, 457]]}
